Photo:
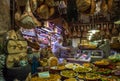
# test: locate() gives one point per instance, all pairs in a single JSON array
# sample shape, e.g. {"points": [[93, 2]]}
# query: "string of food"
{"points": [[102, 70]]}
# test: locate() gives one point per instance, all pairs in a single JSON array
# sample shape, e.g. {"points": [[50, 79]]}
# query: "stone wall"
{"points": [[4, 17]]}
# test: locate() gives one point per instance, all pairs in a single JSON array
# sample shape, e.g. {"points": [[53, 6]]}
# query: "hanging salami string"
{"points": [[84, 31], [93, 6], [98, 4], [17, 13], [20, 9], [102, 32], [66, 27], [87, 27], [90, 26], [26, 19], [110, 27], [107, 29], [115, 31], [104, 26], [98, 26], [110, 5], [82, 28], [79, 32], [104, 7], [107, 35], [33, 5], [74, 31]]}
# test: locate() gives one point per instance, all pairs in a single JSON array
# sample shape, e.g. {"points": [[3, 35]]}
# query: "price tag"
{"points": [[44, 74]]}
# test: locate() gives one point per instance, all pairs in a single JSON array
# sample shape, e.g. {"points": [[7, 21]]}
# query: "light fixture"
{"points": [[89, 37], [93, 31], [94, 27], [89, 33], [117, 22]]}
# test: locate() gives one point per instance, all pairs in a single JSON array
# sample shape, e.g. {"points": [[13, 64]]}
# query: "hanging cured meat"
{"points": [[93, 6], [82, 28], [104, 7], [83, 5], [107, 35], [115, 31], [84, 32], [18, 14], [26, 19], [98, 4], [88, 27], [79, 32], [45, 10], [86, 6], [110, 4], [74, 31], [104, 27], [20, 8], [65, 26], [110, 27], [51, 5], [102, 32], [107, 30], [98, 26], [33, 5]]}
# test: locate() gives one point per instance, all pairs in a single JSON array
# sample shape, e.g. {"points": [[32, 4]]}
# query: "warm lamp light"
{"points": [[89, 34], [89, 37], [93, 31], [117, 22]]}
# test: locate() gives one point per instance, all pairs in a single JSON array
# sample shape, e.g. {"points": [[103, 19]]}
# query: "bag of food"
{"points": [[16, 46], [14, 60], [11, 35]]}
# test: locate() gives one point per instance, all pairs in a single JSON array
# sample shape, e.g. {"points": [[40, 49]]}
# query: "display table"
{"points": [[85, 72], [79, 60]]}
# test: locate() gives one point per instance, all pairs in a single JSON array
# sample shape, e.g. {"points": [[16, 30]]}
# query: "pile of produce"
{"points": [[109, 78], [53, 77], [102, 62], [82, 69], [92, 76], [88, 71], [70, 79], [104, 71], [68, 73], [114, 58], [72, 65]]}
